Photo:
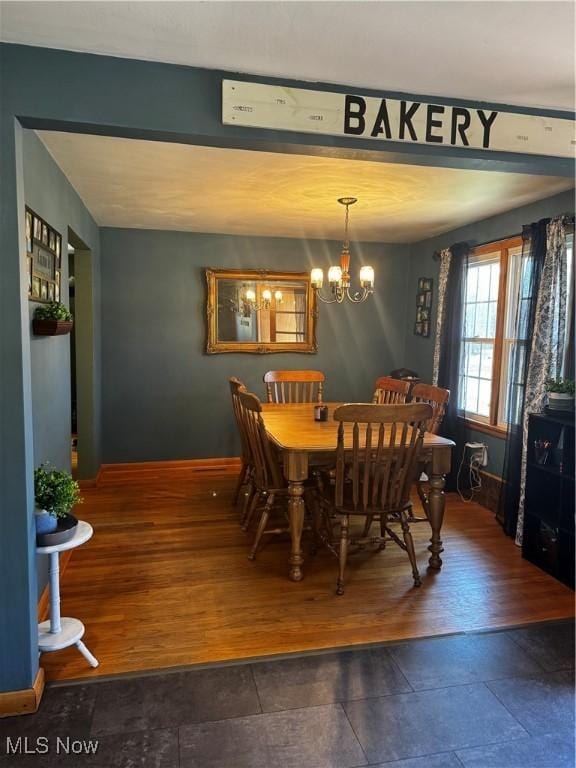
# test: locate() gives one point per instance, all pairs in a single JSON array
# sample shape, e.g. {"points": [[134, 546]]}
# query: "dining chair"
{"points": [[294, 386], [247, 469], [373, 477], [268, 481], [389, 391], [438, 398]]}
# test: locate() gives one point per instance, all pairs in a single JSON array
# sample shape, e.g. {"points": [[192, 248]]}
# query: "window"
{"points": [[491, 290]]}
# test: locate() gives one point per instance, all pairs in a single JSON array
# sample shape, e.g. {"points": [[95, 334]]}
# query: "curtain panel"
{"points": [[453, 266], [548, 342], [531, 263]]}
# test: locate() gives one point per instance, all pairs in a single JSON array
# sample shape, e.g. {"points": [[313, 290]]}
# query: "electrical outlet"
{"points": [[478, 453]]}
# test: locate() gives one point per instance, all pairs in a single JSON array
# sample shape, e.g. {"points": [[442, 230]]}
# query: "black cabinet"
{"points": [[548, 540]]}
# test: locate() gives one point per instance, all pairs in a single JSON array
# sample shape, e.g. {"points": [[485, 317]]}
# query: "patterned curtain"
{"points": [[547, 353], [530, 270], [445, 258], [453, 266]]}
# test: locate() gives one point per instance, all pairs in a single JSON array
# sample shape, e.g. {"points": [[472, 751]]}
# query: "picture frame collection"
{"points": [[44, 259], [423, 307]]}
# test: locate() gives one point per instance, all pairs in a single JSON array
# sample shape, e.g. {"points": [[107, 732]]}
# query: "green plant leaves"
{"points": [[55, 310], [55, 490]]}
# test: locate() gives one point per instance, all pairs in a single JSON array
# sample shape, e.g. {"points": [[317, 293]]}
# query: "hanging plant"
{"points": [[53, 319]]}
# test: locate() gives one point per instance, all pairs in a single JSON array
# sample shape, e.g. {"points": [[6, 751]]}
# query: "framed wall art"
{"points": [[423, 307], [44, 259]]}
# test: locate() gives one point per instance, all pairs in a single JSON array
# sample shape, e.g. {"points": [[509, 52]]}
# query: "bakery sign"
{"points": [[257, 105]]}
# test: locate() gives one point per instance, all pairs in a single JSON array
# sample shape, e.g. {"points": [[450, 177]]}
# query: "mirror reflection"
{"points": [[273, 311], [260, 312]]}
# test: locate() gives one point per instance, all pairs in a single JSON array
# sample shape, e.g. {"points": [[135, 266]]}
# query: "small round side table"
{"points": [[58, 633]]}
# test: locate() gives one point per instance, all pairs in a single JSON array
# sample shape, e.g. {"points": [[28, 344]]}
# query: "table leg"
{"points": [[295, 472], [296, 513], [436, 502]]}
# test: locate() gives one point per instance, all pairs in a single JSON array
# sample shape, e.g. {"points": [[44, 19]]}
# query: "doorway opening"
{"points": [[82, 387], [73, 388]]}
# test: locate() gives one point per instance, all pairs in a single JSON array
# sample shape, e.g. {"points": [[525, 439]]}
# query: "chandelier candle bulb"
{"points": [[250, 295], [367, 277], [267, 294], [278, 297], [317, 277], [335, 276]]}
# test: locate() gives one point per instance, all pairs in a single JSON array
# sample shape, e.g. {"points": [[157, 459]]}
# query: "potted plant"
{"points": [[560, 394], [53, 319], [55, 493]]}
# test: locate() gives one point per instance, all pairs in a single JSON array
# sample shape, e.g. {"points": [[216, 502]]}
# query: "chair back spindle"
{"points": [[389, 391], [294, 386], [437, 397], [267, 472], [376, 473], [236, 386]]}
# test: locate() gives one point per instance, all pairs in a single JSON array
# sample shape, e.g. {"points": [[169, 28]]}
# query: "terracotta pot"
{"points": [[51, 327]]}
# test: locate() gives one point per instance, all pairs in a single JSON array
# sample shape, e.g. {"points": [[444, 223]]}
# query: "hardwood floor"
{"points": [[165, 582]]}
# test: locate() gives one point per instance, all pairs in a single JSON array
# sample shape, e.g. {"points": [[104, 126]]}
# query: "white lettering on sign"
{"points": [[256, 105]]}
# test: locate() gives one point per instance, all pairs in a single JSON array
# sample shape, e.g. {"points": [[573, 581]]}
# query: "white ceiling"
{"points": [[511, 52], [153, 185]]}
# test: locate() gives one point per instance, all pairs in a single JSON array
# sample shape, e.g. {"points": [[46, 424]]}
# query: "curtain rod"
{"points": [[436, 254]]}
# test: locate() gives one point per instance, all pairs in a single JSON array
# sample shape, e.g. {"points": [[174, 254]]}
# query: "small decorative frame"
{"points": [[423, 307], [43, 259]]}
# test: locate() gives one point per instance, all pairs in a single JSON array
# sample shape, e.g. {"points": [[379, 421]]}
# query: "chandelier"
{"points": [[246, 303], [339, 277]]}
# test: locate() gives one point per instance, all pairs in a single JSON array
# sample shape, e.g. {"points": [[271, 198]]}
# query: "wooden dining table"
{"points": [[304, 443]]}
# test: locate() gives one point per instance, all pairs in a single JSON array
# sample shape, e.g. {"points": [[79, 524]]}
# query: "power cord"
{"points": [[474, 476]]}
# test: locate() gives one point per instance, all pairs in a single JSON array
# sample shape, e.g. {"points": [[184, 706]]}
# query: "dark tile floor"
{"points": [[494, 700]]}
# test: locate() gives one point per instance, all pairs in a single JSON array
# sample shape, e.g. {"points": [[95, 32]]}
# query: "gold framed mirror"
{"points": [[260, 311]]}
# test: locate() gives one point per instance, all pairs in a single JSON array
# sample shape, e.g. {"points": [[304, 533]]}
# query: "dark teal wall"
{"points": [[49, 194], [163, 397], [418, 351], [43, 88]]}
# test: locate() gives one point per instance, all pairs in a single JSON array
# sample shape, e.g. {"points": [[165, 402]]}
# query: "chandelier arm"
{"points": [[336, 300], [357, 297]]}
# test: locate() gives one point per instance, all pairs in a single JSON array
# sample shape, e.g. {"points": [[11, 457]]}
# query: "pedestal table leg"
{"points": [[296, 471], [436, 502], [296, 513]]}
